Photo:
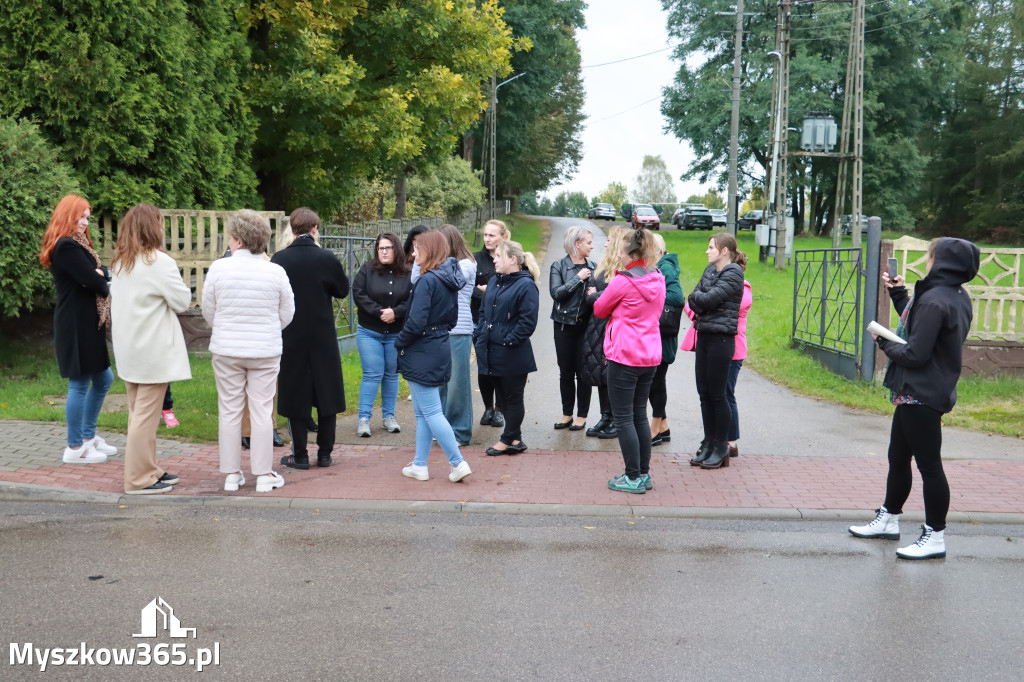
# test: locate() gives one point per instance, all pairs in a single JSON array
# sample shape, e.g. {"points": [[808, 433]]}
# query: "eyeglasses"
{"points": [[385, 248]]}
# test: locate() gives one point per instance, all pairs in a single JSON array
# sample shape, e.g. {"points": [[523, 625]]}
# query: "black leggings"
{"points": [[512, 388], [628, 389], [490, 392], [917, 434], [711, 368], [659, 392], [572, 381]]}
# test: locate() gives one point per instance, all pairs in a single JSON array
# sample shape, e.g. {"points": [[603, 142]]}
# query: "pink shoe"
{"points": [[169, 419]]}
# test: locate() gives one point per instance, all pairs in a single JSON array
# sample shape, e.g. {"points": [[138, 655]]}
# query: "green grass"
{"points": [[527, 231], [985, 403], [33, 389]]}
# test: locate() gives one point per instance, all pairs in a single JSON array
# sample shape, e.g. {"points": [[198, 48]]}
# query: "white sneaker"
{"points": [[931, 545], [885, 526], [363, 430], [234, 481], [417, 472], [83, 455], [460, 472], [100, 445], [267, 482], [391, 426]]}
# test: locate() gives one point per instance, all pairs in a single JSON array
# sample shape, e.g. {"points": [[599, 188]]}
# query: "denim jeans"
{"points": [[628, 390], [379, 359], [730, 395], [457, 395], [430, 424], [85, 398]]}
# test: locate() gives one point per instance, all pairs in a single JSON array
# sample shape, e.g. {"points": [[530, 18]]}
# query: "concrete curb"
{"points": [[25, 492]]}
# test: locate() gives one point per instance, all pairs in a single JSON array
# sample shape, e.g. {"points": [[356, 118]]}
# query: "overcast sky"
{"points": [[614, 143]]}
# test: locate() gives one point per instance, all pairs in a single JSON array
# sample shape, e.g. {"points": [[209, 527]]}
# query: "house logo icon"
{"points": [[158, 615]]}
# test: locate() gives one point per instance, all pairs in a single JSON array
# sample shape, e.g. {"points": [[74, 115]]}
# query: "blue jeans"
{"points": [[457, 395], [380, 369], [430, 424], [85, 398], [730, 395]]}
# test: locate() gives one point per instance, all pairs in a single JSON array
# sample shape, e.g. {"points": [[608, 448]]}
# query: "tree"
{"points": [[448, 189], [654, 184], [560, 205], [142, 98], [615, 194], [33, 178], [529, 203], [577, 205], [710, 199]]}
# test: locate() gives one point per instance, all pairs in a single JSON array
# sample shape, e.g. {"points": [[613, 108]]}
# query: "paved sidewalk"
{"points": [[799, 457]]}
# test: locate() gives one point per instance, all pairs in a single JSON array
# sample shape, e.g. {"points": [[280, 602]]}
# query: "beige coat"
{"points": [[149, 346]]}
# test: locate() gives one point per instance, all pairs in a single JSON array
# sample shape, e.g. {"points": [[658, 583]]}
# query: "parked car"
{"points": [[750, 220], [694, 218], [605, 211], [677, 215], [718, 216], [644, 216], [846, 224]]}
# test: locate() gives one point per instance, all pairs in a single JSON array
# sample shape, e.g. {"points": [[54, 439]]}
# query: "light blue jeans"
{"points": [[430, 424], [82, 409], [380, 370], [457, 395]]}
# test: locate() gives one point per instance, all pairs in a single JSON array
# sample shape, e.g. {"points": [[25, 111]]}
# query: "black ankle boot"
{"points": [[602, 424], [719, 456], [609, 431], [703, 452]]}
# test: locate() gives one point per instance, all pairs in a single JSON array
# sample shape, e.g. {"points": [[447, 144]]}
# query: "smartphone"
{"points": [[894, 268]]}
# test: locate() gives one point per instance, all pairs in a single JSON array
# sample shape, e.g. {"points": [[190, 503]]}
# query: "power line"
{"points": [[618, 61], [625, 111], [874, 30], [815, 16]]}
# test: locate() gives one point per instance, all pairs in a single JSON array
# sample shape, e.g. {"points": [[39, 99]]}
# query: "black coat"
{"points": [[80, 343], [310, 361], [373, 290], [484, 272], [595, 367], [927, 367], [508, 317], [569, 292], [424, 355], [716, 300]]}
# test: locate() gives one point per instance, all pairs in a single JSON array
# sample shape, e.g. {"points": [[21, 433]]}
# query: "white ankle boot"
{"points": [[885, 526], [931, 545]]}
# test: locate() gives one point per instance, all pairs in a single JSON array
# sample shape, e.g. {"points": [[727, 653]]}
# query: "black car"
{"points": [[695, 218], [750, 220]]}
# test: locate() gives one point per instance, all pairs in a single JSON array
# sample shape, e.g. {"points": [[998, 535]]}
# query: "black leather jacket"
{"points": [[569, 292]]}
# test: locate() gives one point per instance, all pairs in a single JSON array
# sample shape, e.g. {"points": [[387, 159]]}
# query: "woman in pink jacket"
{"points": [[633, 301]]}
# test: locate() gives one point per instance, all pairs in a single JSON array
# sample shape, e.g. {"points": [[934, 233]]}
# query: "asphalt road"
{"points": [[331, 596]]}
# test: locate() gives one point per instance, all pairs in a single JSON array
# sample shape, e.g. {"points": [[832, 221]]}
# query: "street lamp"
{"points": [[494, 137]]}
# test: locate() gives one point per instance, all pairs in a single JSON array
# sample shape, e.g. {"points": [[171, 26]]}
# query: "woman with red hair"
{"points": [[80, 320]]}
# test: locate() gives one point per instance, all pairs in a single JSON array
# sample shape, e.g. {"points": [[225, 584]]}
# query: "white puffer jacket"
{"points": [[248, 301]]}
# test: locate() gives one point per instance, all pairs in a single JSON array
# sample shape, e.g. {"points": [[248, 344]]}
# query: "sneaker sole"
{"points": [[456, 480], [267, 488], [636, 491], [84, 461], [940, 555], [147, 491], [231, 488], [417, 477], [884, 536]]}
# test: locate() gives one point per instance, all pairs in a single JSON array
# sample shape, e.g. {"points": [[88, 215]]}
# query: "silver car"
{"points": [[718, 216], [603, 211]]}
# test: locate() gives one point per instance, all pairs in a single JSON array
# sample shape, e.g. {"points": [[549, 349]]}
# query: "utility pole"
{"points": [[494, 147], [781, 131], [734, 140], [853, 107]]}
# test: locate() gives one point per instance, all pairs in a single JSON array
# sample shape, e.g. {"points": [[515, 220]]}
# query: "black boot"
{"points": [[485, 420], [703, 452], [608, 432], [602, 424], [278, 441], [718, 458]]}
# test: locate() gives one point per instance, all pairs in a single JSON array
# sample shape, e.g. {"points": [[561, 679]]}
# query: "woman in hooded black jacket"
{"points": [[922, 375]]}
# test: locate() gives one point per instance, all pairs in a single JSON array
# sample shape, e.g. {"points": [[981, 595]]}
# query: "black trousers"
{"points": [[603, 401], [324, 435], [628, 390], [917, 434], [512, 388], [659, 392], [490, 392], [711, 368], [572, 382]]}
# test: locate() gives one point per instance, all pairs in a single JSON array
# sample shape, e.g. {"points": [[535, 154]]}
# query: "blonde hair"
{"points": [[660, 241], [610, 258], [514, 249], [574, 234], [505, 234], [251, 229], [643, 247]]}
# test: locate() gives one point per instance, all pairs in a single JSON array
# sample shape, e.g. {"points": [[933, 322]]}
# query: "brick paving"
{"points": [[538, 476]]}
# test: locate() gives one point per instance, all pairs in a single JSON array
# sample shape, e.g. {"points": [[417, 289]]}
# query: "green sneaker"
{"points": [[626, 484], [648, 483]]}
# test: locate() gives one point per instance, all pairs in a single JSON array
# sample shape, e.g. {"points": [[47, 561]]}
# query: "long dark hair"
{"points": [[459, 250], [399, 263]]}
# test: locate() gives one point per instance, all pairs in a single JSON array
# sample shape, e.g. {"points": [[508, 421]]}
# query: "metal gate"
{"points": [[827, 295], [352, 252]]}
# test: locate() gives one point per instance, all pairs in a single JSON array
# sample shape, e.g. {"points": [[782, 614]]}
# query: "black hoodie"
{"points": [[927, 367]]}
